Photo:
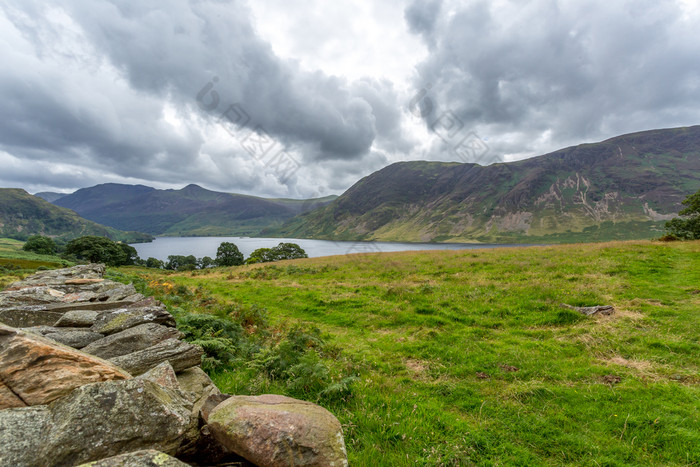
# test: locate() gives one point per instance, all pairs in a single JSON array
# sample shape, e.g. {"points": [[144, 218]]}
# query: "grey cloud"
{"points": [[178, 50], [87, 85], [422, 16], [565, 72]]}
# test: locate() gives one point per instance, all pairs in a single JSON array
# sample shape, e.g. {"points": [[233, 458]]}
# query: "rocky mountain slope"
{"points": [[621, 188], [23, 215], [192, 210]]}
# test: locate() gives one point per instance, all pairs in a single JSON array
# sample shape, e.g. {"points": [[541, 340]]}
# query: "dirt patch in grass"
{"points": [[417, 368]]}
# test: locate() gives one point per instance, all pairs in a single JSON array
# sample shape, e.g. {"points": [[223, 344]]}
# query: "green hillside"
{"points": [[23, 215], [467, 357], [622, 188], [189, 211]]}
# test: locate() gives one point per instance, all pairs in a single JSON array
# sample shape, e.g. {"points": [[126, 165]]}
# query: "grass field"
{"points": [[14, 262], [467, 357]]}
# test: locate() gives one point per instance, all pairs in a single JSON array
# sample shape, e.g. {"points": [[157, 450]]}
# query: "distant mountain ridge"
{"points": [[49, 196], [189, 211], [624, 187], [23, 215]]}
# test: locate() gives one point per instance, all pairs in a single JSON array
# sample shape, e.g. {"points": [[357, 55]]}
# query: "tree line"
{"points": [[103, 250]]}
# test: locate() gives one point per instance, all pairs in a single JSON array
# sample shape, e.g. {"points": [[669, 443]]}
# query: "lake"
{"points": [[162, 247]]}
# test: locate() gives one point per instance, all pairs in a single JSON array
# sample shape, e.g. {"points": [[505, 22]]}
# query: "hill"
{"points": [[621, 188], [190, 211], [23, 215]]}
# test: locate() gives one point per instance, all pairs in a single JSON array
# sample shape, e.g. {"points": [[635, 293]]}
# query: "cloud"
{"points": [[323, 94], [115, 86], [542, 75]]}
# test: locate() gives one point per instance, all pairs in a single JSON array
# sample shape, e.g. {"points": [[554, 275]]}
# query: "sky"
{"points": [[302, 98]]}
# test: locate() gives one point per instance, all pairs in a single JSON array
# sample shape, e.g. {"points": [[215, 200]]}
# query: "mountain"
{"points": [[621, 188], [190, 211], [49, 196], [23, 215]]}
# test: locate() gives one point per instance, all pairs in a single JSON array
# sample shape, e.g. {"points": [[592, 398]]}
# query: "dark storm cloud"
{"points": [[88, 84], [179, 48], [542, 74]]}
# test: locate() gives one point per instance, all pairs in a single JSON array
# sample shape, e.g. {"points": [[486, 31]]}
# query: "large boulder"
{"points": [[37, 370], [94, 422], [145, 458], [132, 340], [181, 355], [271, 430]]}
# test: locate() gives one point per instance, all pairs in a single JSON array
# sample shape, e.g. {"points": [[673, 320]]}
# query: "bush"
{"points": [[40, 244]]}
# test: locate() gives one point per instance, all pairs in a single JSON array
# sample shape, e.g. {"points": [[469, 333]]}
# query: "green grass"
{"points": [[467, 358], [15, 260]]}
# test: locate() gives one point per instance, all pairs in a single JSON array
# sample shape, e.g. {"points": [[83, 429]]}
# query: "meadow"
{"points": [[466, 357]]}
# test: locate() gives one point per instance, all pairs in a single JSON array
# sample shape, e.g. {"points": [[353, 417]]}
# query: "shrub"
{"points": [[40, 244]]}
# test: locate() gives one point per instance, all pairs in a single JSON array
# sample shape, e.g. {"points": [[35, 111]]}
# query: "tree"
{"points": [[688, 225], [278, 253], [181, 263], [228, 254], [131, 256], [101, 250], [289, 251], [261, 255], [40, 244], [205, 262], [154, 263]]}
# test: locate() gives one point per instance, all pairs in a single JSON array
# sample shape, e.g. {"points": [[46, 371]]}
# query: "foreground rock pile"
{"points": [[93, 372]]}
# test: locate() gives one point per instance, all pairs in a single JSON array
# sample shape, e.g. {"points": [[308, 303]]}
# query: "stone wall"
{"points": [[93, 372]]}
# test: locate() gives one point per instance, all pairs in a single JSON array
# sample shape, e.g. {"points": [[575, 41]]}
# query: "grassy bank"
{"points": [[466, 357]]}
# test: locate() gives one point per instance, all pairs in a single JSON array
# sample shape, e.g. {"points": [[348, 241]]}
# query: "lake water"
{"points": [[162, 247]]}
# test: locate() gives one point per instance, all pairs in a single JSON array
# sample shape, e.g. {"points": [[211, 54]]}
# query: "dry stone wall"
{"points": [[94, 373]]}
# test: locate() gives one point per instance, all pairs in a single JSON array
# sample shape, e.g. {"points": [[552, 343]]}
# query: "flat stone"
{"points": [[97, 306], [21, 317], [271, 430], [181, 355], [38, 370], [132, 340], [112, 322], [82, 281], [77, 318], [75, 339], [145, 458]]}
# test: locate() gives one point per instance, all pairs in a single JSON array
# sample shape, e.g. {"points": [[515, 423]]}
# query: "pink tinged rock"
{"points": [[37, 370], [271, 430]]}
